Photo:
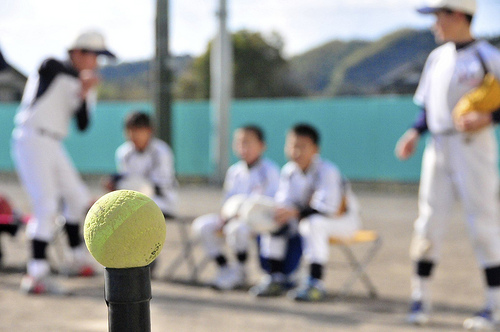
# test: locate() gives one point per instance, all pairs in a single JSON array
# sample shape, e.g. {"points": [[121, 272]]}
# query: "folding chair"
{"points": [[185, 256], [358, 265]]}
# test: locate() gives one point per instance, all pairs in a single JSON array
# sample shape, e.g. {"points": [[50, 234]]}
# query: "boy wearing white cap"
{"points": [[55, 94], [460, 157]]}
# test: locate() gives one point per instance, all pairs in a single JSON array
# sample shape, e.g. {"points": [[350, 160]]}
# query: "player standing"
{"points": [[55, 94], [460, 158]]}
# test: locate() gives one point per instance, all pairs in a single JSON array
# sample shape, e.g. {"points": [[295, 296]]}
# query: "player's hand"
{"points": [[283, 215], [473, 121], [88, 79], [407, 144]]}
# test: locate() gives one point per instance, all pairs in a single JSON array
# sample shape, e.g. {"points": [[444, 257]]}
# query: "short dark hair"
{"points": [[307, 130], [256, 130], [138, 119]]}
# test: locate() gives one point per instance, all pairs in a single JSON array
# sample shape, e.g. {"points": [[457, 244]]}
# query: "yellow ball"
{"points": [[125, 229]]}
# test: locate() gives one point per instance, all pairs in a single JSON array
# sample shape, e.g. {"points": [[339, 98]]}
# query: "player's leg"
{"points": [[208, 228], [76, 201], [316, 231], [436, 199], [274, 247], [237, 235], [478, 187], [34, 160]]}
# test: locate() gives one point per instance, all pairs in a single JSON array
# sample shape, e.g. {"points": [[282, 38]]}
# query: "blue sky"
{"points": [[31, 30]]}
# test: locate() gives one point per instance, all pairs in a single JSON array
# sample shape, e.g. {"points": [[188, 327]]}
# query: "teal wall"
{"points": [[358, 134]]}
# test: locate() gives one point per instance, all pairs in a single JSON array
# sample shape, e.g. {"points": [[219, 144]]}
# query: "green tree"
{"points": [[259, 70]]}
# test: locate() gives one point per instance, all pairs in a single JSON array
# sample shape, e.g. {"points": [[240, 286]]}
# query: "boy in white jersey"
{"points": [[252, 175], [314, 196], [460, 158], [148, 162], [55, 94]]}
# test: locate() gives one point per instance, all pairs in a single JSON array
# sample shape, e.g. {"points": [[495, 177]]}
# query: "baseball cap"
{"points": [[463, 6], [92, 41]]}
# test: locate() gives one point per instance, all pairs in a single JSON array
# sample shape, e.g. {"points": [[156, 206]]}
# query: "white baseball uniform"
{"points": [[156, 164], [456, 165], [51, 100], [328, 207], [261, 178]]}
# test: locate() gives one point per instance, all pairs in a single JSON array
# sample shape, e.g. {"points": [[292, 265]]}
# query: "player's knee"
{"points": [[46, 211], [305, 228], [204, 225], [310, 226], [237, 229]]}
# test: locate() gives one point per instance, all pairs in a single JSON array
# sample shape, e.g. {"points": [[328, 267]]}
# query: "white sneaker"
{"points": [[419, 314], [481, 321], [46, 285], [230, 277]]}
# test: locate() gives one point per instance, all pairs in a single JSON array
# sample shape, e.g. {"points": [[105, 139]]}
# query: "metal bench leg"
{"points": [[359, 269], [186, 254]]}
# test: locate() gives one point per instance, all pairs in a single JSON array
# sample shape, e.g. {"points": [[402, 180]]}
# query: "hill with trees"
{"points": [[390, 65]]}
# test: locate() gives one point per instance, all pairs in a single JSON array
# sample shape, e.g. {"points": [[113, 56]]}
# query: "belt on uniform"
{"points": [[446, 132], [48, 133]]}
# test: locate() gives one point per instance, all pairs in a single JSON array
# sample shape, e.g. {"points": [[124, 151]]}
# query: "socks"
{"points": [[316, 271], [73, 231], [221, 260], [39, 249], [420, 282], [242, 257], [492, 275]]}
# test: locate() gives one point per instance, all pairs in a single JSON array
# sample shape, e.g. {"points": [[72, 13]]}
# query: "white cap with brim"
{"points": [[91, 41], [463, 6]]}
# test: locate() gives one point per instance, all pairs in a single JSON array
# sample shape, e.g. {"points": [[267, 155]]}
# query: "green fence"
{"points": [[358, 134]]}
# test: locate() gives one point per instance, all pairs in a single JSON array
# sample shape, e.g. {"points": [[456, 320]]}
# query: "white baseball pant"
{"points": [[463, 165], [48, 175], [207, 228], [317, 229]]}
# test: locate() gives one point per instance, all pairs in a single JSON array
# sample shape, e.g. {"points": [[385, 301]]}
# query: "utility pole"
{"points": [[221, 73], [162, 74]]}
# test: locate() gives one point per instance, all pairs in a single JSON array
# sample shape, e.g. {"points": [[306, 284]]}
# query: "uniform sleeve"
{"points": [[491, 59], [420, 94], [84, 111], [82, 116], [48, 71], [327, 195], [284, 188], [163, 172], [420, 123], [272, 181], [121, 166], [229, 185]]}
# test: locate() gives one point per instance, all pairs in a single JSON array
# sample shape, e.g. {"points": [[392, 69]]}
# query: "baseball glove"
{"points": [[485, 98]]}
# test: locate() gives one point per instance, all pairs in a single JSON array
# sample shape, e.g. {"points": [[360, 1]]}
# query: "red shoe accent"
{"points": [[39, 289], [86, 271]]}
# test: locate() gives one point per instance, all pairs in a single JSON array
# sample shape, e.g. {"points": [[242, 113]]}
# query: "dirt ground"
{"points": [[180, 305]]}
